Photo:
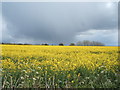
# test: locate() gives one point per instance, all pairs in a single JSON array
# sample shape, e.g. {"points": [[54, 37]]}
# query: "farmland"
{"points": [[25, 66]]}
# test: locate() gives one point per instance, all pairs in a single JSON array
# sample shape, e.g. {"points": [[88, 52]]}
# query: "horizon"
{"points": [[47, 43]]}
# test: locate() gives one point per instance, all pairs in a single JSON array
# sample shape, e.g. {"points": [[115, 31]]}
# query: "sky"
{"points": [[59, 22]]}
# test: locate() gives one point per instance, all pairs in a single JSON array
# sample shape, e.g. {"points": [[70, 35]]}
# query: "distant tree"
{"points": [[93, 43], [89, 43], [86, 43], [26, 44], [100, 44], [61, 44], [72, 44], [79, 43], [46, 44]]}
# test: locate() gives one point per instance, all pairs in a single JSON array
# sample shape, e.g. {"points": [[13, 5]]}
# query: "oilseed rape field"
{"points": [[26, 66]]}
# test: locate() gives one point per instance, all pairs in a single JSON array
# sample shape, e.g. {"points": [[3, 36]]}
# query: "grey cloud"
{"points": [[56, 22]]}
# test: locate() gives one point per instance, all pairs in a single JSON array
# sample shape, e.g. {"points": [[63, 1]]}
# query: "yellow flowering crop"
{"points": [[30, 58]]}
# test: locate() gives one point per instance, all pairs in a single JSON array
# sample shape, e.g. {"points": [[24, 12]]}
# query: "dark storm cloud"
{"points": [[55, 22]]}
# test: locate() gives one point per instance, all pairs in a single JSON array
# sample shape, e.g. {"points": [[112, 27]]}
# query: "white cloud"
{"points": [[109, 37]]}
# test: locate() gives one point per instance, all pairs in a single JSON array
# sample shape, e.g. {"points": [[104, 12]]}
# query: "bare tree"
{"points": [[89, 43], [79, 43]]}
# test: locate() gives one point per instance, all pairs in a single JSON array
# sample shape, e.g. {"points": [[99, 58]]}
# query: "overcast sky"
{"points": [[66, 22]]}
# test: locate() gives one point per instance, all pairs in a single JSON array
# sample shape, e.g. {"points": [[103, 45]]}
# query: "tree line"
{"points": [[89, 43], [80, 43], [85, 43]]}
